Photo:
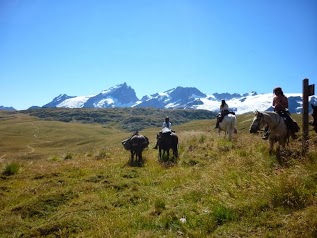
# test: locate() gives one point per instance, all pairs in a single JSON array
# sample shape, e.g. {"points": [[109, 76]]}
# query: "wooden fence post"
{"points": [[305, 118]]}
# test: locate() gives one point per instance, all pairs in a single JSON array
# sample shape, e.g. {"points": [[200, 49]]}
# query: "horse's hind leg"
{"points": [[132, 157], [175, 152], [271, 148], [140, 159]]}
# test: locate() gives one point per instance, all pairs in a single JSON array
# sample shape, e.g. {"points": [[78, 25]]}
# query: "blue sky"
{"points": [[81, 47]]}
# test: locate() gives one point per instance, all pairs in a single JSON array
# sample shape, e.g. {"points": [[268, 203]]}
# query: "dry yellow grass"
{"points": [[77, 183]]}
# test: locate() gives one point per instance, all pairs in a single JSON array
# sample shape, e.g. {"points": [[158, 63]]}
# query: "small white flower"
{"points": [[182, 220]]}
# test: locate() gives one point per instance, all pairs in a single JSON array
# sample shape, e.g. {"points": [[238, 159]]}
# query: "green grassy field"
{"points": [[73, 180]]}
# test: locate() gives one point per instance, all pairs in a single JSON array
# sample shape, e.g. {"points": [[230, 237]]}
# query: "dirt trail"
{"points": [[32, 150], [36, 133], [3, 156]]}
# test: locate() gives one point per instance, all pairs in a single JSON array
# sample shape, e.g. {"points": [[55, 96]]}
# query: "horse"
{"points": [[136, 144], [168, 140], [278, 128], [228, 124], [314, 115]]}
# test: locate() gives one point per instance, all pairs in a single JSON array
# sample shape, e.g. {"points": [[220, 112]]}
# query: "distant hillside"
{"points": [[130, 119], [7, 108]]}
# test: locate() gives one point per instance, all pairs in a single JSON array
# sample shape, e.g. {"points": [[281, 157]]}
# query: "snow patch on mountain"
{"points": [[75, 102]]}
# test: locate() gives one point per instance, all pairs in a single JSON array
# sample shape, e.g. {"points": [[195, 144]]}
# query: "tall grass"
{"points": [[216, 188]]}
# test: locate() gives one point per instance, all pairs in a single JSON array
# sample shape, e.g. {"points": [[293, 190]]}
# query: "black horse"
{"points": [[166, 142], [314, 115], [136, 144]]}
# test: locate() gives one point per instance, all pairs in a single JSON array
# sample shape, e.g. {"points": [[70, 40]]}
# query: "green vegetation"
{"points": [[130, 119], [74, 181], [11, 169]]}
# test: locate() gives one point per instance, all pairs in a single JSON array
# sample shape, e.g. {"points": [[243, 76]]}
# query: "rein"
{"points": [[259, 123]]}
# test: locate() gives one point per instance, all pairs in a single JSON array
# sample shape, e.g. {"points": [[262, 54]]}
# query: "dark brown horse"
{"points": [[166, 142], [136, 144], [314, 115]]}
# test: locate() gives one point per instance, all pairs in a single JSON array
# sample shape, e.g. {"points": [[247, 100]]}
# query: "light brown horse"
{"points": [[278, 129]]}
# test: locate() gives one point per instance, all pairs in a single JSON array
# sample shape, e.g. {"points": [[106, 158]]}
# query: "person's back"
{"points": [[224, 106], [167, 123], [224, 110], [166, 129]]}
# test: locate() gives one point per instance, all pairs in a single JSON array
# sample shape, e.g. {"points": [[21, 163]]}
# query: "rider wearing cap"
{"points": [[166, 128], [167, 123]]}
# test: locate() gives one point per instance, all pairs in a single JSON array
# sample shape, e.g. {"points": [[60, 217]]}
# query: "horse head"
{"points": [[257, 122]]}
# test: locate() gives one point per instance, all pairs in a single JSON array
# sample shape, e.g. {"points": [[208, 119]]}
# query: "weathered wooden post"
{"points": [[308, 90]]}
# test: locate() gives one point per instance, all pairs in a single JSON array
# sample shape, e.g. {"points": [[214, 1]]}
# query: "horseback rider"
{"points": [[224, 110], [167, 123], [166, 128], [280, 105]]}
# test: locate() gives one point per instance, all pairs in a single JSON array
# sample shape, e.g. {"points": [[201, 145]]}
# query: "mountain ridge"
{"points": [[123, 95]]}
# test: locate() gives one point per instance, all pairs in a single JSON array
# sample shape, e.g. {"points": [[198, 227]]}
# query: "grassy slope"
{"points": [[74, 181]]}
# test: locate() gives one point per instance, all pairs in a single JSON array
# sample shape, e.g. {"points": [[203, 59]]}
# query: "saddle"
{"points": [[222, 114], [290, 123], [166, 130]]}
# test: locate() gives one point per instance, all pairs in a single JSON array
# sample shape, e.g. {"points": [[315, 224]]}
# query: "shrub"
{"points": [[159, 206], [222, 214], [68, 156], [11, 169]]}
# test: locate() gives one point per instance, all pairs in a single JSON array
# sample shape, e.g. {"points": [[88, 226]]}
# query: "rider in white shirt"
{"points": [[167, 123], [166, 128]]}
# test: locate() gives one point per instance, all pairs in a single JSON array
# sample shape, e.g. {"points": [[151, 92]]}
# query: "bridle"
{"points": [[259, 117]]}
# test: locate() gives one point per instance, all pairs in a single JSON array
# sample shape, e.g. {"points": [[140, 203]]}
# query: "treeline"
{"points": [[129, 119]]}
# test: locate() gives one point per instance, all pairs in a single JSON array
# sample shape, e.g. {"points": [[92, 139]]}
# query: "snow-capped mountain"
{"points": [[181, 97], [119, 96]]}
